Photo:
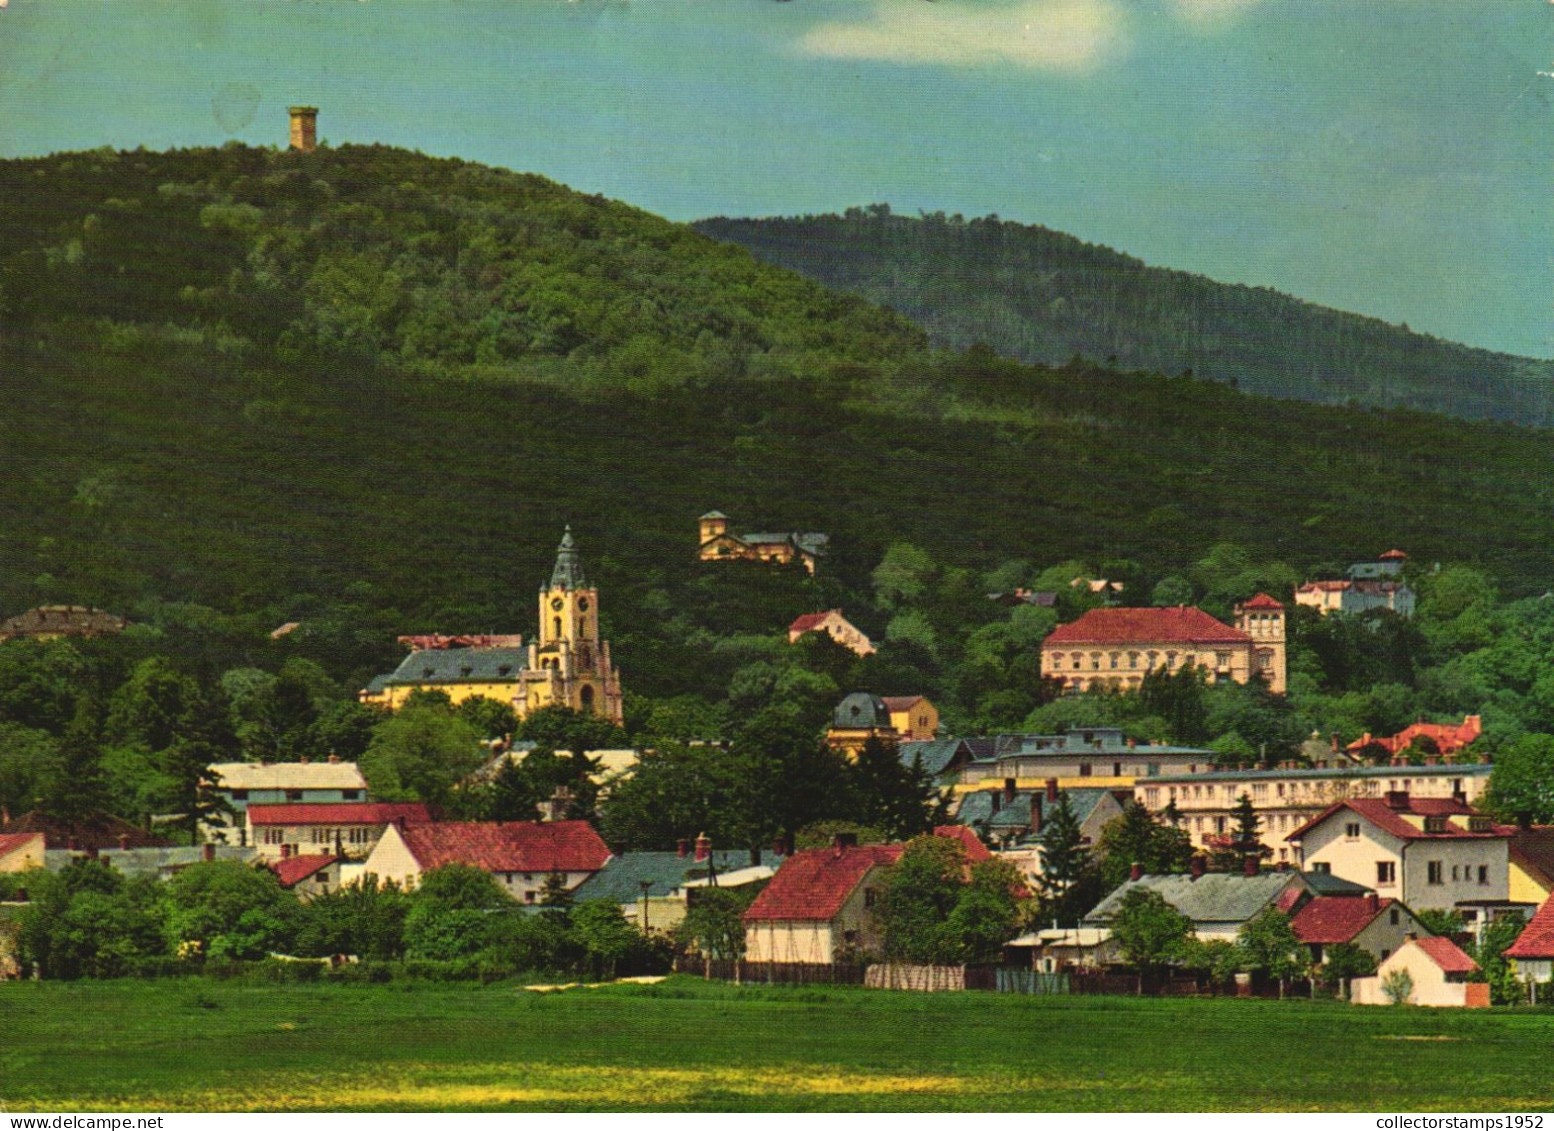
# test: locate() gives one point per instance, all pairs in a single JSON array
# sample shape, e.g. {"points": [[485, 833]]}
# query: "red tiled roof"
{"points": [[1324, 586], [1289, 898], [11, 842], [1329, 919], [1390, 820], [1448, 736], [1537, 937], [815, 883], [292, 870], [808, 622], [508, 846], [1181, 625], [1447, 955], [1393, 556], [976, 851], [895, 703], [1263, 601], [96, 831], [339, 813]]}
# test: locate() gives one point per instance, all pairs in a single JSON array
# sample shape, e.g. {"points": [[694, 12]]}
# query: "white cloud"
{"points": [[1054, 35]]}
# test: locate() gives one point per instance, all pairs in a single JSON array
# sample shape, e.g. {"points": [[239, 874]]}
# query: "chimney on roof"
{"points": [[1009, 790], [303, 760], [1372, 901], [843, 841], [703, 847], [285, 852], [1333, 738], [334, 759], [1250, 865], [208, 852], [123, 842], [1052, 790], [1035, 812], [1397, 800], [682, 847], [1135, 871], [1197, 865]]}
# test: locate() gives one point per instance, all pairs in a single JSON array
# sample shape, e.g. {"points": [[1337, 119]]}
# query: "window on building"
{"points": [[1323, 867], [1152, 796], [528, 897], [1435, 872], [293, 795], [1259, 791], [1352, 830], [240, 795], [1133, 659], [1116, 660], [1386, 873], [1483, 875], [1095, 661], [1079, 661], [870, 896], [274, 836], [1084, 769], [350, 794], [1392, 917], [1219, 824]]}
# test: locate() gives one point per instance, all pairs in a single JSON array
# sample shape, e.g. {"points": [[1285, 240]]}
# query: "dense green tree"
{"points": [[224, 909], [1065, 865], [897, 798], [1267, 943], [713, 923], [1344, 962], [451, 912], [986, 913], [420, 753], [601, 930], [87, 921], [1521, 787], [363, 919], [29, 765], [1150, 932], [1137, 838], [491, 718], [1245, 838], [1489, 953], [919, 896]]}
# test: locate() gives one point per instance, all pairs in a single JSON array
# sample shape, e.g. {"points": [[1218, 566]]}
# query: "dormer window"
{"points": [[466, 671], [1479, 825], [505, 669], [1435, 824]]}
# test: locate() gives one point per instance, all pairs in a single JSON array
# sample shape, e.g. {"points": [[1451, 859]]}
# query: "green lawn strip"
{"points": [[201, 1044]]}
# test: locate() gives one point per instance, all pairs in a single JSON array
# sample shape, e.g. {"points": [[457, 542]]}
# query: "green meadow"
{"points": [[197, 1044]]}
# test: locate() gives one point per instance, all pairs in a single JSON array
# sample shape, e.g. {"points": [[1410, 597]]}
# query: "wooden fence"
{"points": [[772, 973]]}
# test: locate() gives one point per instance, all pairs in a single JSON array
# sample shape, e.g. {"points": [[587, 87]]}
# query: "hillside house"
{"points": [[1368, 585], [942, 758], [1438, 970], [302, 782], [1113, 648], [1289, 796], [1431, 853], [716, 544], [349, 829], [836, 626], [307, 876], [1448, 738], [1081, 757], [520, 855], [88, 834], [54, 622], [21, 852], [896, 719]]}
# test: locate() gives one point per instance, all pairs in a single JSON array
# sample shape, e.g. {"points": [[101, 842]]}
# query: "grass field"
{"points": [[684, 1044]]}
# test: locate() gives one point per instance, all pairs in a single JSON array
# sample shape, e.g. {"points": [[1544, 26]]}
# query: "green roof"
{"points": [[621, 878], [936, 754], [1214, 897], [460, 665], [568, 573]]}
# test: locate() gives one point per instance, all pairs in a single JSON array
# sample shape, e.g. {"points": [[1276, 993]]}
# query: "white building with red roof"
{"points": [[1435, 853], [346, 828], [1370, 585], [520, 855], [1533, 951], [1376, 925], [1437, 972], [308, 876], [836, 626], [1113, 649], [819, 907]]}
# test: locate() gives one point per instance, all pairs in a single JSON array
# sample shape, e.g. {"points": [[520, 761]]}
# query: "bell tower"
{"points": [[304, 128], [569, 665]]}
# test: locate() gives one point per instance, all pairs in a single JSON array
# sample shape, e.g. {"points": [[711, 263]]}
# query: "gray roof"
{"points": [[568, 573], [1325, 883], [810, 543], [621, 878], [1469, 770], [861, 710], [936, 754], [976, 807], [1214, 897], [1081, 740], [460, 665]]}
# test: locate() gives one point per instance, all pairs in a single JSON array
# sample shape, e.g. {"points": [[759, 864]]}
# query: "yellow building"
{"points": [[567, 666], [716, 544], [861, 716]]}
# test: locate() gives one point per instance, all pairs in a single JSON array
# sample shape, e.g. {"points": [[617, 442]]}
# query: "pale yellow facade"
{"points": [[817, 941], [24, 855]]}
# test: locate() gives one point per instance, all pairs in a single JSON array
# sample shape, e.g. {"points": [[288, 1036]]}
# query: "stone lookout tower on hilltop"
{"points": [[304, 128]]}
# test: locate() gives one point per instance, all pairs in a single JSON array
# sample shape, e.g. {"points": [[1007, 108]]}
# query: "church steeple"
{"points": [[568, 574]]}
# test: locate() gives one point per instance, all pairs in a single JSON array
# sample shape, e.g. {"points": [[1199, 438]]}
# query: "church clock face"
{"points": [[556, 603], [582, 604]]}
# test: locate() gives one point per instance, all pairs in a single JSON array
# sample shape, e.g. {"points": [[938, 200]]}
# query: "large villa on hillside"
{"points": [[1114, 648]]}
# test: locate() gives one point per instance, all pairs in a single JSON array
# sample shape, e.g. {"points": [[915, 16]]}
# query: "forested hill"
{"points": [[1042, 296], [364, 389]]}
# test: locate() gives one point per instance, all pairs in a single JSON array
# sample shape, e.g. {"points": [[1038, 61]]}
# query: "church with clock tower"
{"points": [[565, 665], [568, 664]]}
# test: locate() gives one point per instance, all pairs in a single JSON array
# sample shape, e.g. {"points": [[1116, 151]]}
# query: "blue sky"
{"points": [[1391, 157]]}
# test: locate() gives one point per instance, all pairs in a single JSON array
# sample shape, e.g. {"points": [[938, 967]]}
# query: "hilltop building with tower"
{"points": [[568, 665], [716, 544]]}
